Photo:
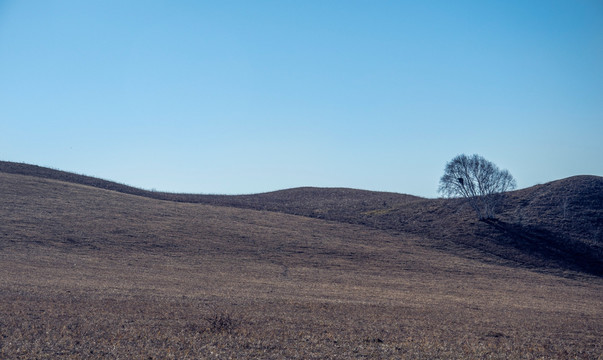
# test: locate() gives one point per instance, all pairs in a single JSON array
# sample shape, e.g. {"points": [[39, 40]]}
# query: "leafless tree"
{"points": [[478, 180]]}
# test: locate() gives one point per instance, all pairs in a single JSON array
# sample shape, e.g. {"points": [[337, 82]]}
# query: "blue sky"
{"points": [[250, 96]]}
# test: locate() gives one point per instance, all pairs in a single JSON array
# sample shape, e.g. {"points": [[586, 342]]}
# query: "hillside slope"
{"points": [[93, 273], [558, 225], [555, 226], [46, 213]]}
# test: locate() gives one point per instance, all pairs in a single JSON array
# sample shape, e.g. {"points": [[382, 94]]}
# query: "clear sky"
{"points": [[250, 96]]}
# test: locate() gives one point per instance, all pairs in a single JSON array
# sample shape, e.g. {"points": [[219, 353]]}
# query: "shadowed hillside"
{"points": [[558, 225], [87, 272], [555, 225]]}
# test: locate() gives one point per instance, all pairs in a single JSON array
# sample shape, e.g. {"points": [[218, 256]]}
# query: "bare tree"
{"points": [[478, 180]]}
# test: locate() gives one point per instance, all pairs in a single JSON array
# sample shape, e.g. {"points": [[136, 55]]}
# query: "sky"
{"points": [[238, 97]]}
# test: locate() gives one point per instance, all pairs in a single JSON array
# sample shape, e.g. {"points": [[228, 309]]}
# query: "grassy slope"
{"points": [[94, 273], [86, 272], [556, 226]]}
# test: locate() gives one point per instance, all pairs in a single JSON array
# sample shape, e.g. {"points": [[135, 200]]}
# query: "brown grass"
{"points": [[90, 273]]}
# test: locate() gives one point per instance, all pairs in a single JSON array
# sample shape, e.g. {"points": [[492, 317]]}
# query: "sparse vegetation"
{"points": [[479, 181], [92, 273], [221, 323]]}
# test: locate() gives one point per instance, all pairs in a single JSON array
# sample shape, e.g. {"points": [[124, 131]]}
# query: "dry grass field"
{"points": [[87, 272]]}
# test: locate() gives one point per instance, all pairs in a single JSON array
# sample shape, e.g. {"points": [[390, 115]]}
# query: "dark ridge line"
{"points": [[60, 175], [71, 177], [239, 201]]}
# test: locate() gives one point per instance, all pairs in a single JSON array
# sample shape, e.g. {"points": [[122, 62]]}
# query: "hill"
{"points": [[554, 226], [87, 272], [302, 199]]}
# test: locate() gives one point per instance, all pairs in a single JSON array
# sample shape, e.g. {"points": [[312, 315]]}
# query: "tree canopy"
{"points": [[478, 180]]}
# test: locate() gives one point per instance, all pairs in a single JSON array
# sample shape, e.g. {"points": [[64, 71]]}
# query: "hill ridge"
{"points": [[556, 225], [81, 179]]}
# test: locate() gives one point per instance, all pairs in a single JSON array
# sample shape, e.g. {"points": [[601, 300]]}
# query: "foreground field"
{"points": [[90, 273]]}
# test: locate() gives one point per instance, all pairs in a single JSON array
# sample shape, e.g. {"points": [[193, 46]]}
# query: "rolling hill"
{"points": [[95, 269], [558, 225]]}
